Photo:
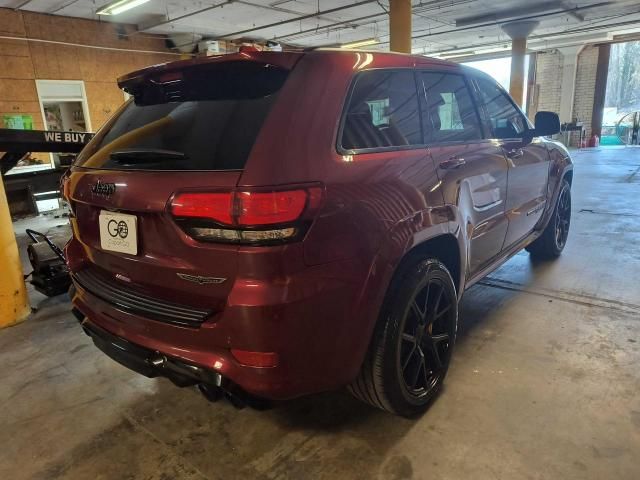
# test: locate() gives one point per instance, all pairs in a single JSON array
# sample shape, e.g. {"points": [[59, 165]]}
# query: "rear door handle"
{"points": [[515, 153], [453, 162]]}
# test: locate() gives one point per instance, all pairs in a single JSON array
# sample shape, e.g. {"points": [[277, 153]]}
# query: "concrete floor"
{"points": [[544, 384]]}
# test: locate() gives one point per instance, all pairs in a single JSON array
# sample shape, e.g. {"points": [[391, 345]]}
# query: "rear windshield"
{"points": [[203, 118]]}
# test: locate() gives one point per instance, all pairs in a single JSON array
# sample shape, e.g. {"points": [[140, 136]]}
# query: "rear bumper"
{"points": [[144, 361], [308, 321]]}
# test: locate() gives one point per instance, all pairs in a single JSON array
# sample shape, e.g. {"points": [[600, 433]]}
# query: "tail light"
{"points": [[65, 188], [247, 216]]}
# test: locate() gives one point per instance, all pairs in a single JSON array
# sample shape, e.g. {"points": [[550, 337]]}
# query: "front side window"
{"points": [[382, 111], [506, 120], [449, 114]]}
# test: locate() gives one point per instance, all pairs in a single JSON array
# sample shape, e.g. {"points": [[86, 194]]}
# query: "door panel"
{"points": [[527, 187], [473, 171], [478, 187], [528, 160]]}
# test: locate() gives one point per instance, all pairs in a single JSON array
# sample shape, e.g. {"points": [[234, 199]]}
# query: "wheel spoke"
{"points": [[408, 338], [443, 337], [427, 374], [438, 300], [426, 299], [416, 374], [442, 312], [410, 355], [433, 316], [416, 310], [430, 345]]}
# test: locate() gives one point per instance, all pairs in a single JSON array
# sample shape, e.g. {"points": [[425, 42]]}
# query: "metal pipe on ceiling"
{"points": [[421, 8], [570, 11], [296, 19], [23, 4], [497, 23], [63, 6], [186, 15], [543, 36], [336, 24], [275, 7]]}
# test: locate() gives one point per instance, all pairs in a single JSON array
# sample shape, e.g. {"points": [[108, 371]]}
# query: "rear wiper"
{"points": [[146, 155]]}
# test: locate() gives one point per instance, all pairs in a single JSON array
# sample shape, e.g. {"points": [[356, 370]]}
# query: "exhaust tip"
{"points": [[158, 361]]}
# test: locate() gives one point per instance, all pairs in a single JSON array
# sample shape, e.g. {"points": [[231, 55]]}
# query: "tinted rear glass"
{"points": [[382, 111], [449, 113], [204, 118]]}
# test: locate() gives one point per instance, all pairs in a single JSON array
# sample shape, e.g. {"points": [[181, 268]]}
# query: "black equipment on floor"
{"points": [[50, 274]]}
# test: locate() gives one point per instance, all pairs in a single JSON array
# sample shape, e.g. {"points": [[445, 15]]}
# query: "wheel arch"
{"points": [[443, 247], [568, 175]]}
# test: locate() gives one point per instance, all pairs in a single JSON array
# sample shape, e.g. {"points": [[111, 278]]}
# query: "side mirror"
{"points": [[546, 123]]}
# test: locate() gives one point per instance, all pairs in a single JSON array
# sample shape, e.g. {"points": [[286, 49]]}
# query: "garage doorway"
{"points": [[500, 70], [621, 116]]}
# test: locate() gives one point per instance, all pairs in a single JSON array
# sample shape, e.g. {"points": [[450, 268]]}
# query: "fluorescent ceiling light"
{"points": [[361, 43], [468, 53], [120, 6]]}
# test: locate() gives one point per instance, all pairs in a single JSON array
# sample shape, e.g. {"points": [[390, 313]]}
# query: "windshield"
{"points": [[204, 119]]}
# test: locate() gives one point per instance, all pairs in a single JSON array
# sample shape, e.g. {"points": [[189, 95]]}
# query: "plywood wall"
{"points": [[24, 61]]}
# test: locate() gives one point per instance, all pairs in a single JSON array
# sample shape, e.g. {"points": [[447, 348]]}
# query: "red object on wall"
{"points": [[594, 141]]}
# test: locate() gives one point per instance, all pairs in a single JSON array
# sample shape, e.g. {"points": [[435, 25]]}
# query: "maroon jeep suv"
{"points": [[269, 225]]}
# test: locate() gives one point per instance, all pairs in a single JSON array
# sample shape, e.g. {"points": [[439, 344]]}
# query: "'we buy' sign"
{"points": [[66, 137]]}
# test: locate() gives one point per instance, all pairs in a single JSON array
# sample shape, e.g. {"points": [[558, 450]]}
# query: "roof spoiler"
{"points": [[164, 72]]}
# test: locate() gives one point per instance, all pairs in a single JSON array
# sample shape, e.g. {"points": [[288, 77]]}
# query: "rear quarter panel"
{"points": [[377, 205]]}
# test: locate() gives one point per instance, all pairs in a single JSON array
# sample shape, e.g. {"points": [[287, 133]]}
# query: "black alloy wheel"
{"points": [[553, 239], [563, 218], [424, 352], [413, 341]]}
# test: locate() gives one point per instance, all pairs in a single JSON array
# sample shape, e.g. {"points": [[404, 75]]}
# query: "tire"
{"points": [[550, 244], [411, 348]]}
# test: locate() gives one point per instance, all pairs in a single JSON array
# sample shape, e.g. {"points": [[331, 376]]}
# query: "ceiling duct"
{"points": [[523, 10]]}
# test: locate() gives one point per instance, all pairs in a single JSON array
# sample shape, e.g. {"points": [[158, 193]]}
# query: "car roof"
{"points": [[385, 57], [288, 59]]}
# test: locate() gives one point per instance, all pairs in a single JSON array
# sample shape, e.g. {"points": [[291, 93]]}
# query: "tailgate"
{"points": [[167, 264]]}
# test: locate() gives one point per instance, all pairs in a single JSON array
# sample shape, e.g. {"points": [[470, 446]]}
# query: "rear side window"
{"points": [[449, 112], [382, 111], [205, 118], [506, 120]]}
